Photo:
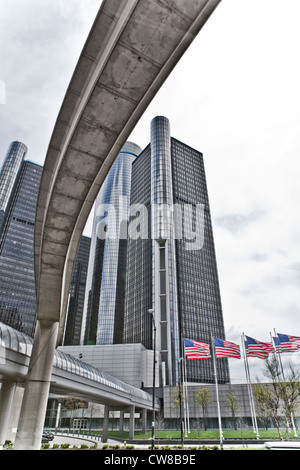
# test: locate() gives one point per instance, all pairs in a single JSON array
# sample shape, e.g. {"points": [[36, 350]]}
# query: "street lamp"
{"points": [[154, 363]]}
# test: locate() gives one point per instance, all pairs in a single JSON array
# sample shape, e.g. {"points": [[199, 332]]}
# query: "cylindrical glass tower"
{"points": [[9, 171], [164, 280], [103, 315]]}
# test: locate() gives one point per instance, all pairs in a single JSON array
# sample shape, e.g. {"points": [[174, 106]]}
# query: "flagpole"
{"points": [[182, 357], [251, 395], [182, 388], [249, 386], [180, 398], [184, 397], [187, 398], [217, 393], [278, 353], [246, 373]]}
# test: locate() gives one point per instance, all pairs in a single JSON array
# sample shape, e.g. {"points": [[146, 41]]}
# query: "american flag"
{"points": [[289, 343], [278, 347], [227, 349], [258, 349], [196, 350]]}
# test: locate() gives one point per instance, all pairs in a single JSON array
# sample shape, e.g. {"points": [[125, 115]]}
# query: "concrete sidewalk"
{"points": [[75, 440]]}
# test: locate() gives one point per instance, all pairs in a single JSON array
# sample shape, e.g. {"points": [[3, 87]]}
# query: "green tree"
{"points": [[235, 407], [279, 394], [197, 425], [73, 404], [203, 399], [263, 411], [290, 396], [177, 397], [160, 425], [267, 398]]}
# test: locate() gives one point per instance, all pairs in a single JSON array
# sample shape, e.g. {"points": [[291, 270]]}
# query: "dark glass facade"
{"points": [[174, 270], [17, 282], [138, 299], [17, 279], [199, 299], [105, 290], [74, 317], [11, 165]]}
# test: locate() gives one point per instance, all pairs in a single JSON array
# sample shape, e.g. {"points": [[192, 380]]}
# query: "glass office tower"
{"points": [[173, 271], [74, 317], [17, 282], [105, 291], [11, 165]]}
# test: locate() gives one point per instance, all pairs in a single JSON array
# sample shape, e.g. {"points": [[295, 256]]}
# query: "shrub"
{"points": [[8, 444], [46, 446]]}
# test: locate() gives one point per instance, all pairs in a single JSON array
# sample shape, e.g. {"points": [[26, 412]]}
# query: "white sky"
{"points": [[235, 97]]}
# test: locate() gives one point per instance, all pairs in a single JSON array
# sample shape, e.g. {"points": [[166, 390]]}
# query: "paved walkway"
{"points": [[74, 440], [90, 441]]}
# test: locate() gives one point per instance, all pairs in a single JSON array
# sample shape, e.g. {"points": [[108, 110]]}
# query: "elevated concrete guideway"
{"points": [[70, 377], [132, 48]]}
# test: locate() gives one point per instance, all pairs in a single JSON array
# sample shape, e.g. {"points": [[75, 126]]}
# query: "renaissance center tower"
{"points": [[103, 316], [10, 168], [172, 278], [19, 180]]}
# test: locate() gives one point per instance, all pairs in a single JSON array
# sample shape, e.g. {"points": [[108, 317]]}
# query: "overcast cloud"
{"points": [[234, 96]]}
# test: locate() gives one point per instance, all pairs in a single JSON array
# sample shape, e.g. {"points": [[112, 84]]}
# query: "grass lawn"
{"points": [[204, 435]]}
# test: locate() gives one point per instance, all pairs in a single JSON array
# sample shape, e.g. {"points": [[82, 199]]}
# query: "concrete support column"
{"points": [[57, 421], [144, 421], [131, 422], [7, 394], [105, 423], [37, 385], [121, 425]]}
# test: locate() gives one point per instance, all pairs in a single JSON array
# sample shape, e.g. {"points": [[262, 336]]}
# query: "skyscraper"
{"points": [[17, 282], [105, 291], [11, 165], [171, 268], [19, 187], [74, 317]]}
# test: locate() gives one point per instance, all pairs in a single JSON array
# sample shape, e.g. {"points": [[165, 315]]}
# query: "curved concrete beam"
{"points": [[132, 48]]}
